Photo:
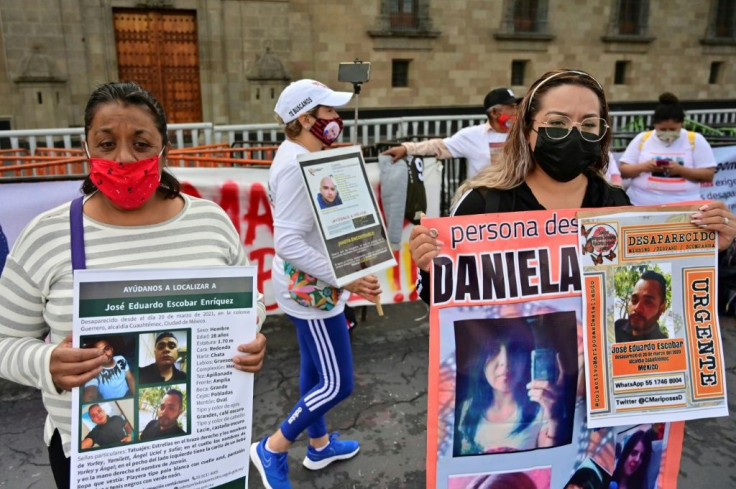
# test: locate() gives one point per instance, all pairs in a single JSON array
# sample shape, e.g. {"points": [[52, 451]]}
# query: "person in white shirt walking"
{"points": [[306, 108]]}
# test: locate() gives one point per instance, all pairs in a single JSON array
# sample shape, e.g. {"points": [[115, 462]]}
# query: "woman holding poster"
{"points": [[132, 215], [555, 157], [304, 287]]}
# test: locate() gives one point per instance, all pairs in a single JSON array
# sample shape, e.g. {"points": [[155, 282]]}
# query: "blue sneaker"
{"points": [[273, 467], [335, 450]]}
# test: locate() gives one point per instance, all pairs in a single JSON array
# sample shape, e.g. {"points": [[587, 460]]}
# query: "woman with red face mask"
{"points": [[311, 123], [132, 215]]}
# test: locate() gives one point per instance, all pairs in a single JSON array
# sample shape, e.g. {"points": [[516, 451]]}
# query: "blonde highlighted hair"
{"points": [[517, 160]]}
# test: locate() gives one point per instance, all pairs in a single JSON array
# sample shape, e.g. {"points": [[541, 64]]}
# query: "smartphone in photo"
{"points": [[544, 364]]}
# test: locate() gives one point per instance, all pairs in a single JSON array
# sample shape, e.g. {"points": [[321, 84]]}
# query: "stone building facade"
{"points": [[423, 53]]}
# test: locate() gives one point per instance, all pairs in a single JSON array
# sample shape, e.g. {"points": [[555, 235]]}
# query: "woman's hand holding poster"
{"points": [[506, 382]]}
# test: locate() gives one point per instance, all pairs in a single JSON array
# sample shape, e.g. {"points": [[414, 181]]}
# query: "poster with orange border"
{"points": [[506, 394], [653, 346]]}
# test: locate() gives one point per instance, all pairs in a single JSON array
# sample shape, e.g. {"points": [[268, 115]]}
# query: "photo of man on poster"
{"points": [[109, 430], [115, 380], [166, 352], [328, 195], [166, 423], [645, 305]]}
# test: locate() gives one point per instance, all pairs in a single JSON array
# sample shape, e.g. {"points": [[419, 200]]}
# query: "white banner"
{"points": [[243, 193], [724, 183]]}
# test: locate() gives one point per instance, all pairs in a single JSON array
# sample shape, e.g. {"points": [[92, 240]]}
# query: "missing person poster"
{"points": [[506, 392], [168, 409], [653, 341], [347, 214]]}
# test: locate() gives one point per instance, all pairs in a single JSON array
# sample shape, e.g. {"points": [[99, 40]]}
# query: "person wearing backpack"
{"points": [[669, 163]]}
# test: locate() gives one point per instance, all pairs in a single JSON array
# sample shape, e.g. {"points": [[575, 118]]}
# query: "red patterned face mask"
{"points": [[506, 120], [127, 185], [327, 130]]}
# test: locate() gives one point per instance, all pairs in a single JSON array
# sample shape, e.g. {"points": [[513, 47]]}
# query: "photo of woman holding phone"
{"points": [[511, 391]]}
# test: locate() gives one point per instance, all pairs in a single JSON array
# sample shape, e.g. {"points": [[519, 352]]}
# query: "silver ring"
{"points": [[725, 221]]}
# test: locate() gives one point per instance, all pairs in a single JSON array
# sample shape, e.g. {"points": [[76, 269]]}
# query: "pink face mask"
{"points": [[327, 130], [127, 185]]}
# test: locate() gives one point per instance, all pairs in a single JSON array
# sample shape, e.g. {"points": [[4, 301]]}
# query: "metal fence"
{"points": [[375, 135], [715, 124]]}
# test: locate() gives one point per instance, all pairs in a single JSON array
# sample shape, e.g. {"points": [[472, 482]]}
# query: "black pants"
{"points": [[60, 464]]}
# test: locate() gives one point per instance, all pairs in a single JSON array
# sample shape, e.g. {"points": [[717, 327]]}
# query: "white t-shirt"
{"points": [[613, 174], [658, 188], [112, 382], [479, 145], [296, 234], [492, 436]]}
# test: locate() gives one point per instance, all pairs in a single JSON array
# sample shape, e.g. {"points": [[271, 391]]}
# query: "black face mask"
{"points": [[564, 159]]}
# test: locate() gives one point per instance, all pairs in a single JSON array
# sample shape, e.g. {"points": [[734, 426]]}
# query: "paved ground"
{"points": [[386, 413]]}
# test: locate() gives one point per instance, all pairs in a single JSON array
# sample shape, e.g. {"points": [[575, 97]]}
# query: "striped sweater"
{"points": [[36, 284]]}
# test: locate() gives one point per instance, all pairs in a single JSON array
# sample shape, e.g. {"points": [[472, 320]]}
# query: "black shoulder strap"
{"points": [[493, 200]]}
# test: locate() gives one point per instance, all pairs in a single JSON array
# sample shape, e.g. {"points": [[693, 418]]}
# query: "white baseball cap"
{"points": [[304, 95]]}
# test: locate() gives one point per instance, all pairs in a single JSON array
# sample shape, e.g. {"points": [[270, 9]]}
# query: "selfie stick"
{"points": [[357, 79], [356, 91], [356, 73]]}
